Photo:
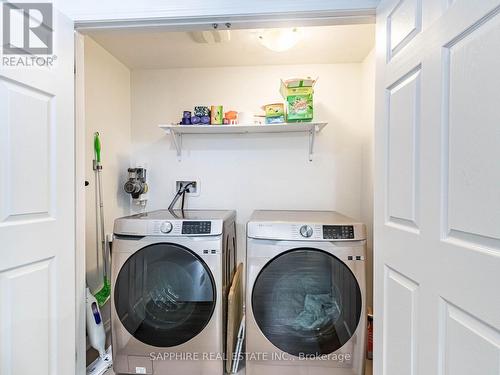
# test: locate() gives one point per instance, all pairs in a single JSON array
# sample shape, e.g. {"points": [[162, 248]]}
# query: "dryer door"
{"points": [[164, 295], [307, 302]]}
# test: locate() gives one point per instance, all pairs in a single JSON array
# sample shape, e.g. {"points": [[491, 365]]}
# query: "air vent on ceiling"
{"points": [[211, 36]]}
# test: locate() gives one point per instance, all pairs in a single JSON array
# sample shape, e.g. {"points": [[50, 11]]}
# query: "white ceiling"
{"points": [[142, 49]]}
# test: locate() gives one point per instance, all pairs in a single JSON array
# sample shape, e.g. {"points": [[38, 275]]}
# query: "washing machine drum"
{"points": [[307, 302], [164, 295]]}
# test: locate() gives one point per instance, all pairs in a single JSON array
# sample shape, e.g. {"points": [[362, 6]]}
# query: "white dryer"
{"points": [[306, 294], [170, 276]]}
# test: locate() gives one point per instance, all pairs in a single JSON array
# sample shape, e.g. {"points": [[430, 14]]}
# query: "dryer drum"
{"points": [[307, 302], [164, 295]]}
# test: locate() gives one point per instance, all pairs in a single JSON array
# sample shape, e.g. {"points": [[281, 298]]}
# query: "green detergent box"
{"points": [[298, 94]]}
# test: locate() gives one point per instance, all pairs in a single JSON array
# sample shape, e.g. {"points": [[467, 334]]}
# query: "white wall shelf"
{"points": [[177, 131]]}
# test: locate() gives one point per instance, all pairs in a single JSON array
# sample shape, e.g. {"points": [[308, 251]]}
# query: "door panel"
{"points": [[37, 263], [26, 136], [464, 336], [403, 133], [404, 22], [471, 123], [437, 206], [21, 328], [400, 315]]}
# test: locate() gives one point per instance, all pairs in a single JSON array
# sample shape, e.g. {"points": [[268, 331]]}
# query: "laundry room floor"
{"points": [[368, 371]]}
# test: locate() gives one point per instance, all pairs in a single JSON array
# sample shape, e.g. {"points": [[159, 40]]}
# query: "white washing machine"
{"points": [[305, 294], [170, 275]]}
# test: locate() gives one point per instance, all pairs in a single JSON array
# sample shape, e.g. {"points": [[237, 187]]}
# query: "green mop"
{"points": [[103, 294]]}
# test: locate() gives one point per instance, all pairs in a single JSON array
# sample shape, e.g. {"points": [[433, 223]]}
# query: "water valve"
{"points": [[136, 184]]}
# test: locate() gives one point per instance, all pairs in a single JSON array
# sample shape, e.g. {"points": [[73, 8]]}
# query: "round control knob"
{"points": [[306, 231], [166, 227]]}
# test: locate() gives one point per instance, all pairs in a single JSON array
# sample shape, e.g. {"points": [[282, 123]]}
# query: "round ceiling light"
{"points": [[279, 40]]}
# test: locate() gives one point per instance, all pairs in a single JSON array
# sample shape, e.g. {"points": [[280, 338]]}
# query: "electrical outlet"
{"points": [[193, 190]]}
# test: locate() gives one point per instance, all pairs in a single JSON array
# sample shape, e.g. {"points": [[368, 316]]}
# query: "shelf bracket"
{"points": [[177, 132], [177, 141], [312, 138]]}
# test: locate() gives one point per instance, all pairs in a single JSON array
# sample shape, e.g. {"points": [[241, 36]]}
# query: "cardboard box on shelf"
{"points": [[298, 94], [275, 113]]}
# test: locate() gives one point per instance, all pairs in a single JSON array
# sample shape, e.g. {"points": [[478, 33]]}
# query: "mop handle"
{"points": [[100, 204]]}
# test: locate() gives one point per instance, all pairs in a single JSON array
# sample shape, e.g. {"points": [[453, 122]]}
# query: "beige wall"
{"points": [[368, 112], [107, 110], [247, 172]]}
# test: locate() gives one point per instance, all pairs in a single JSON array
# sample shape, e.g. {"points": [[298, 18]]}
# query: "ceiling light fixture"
{"points": [[279, 40]]}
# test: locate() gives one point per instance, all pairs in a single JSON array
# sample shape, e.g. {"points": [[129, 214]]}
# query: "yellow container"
{"points": [[216, 115]]}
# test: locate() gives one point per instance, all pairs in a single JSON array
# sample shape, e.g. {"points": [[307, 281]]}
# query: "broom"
{"points": [[103, 294]]}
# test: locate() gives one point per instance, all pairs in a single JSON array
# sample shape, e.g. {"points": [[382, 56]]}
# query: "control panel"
{"points": [[338, 232], [196, 227], [307, 231], [171, 227]]}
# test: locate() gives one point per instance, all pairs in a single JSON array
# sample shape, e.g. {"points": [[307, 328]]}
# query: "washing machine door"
{"points": [[164, 295], [307, 302]]}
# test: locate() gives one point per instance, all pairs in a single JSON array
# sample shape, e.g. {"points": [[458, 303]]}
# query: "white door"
{"points": [[37, 233], [437, 198]]}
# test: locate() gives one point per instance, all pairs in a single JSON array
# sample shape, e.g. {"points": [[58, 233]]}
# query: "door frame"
{"points": [[237, 21], [257, 20], [80, 269]]}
